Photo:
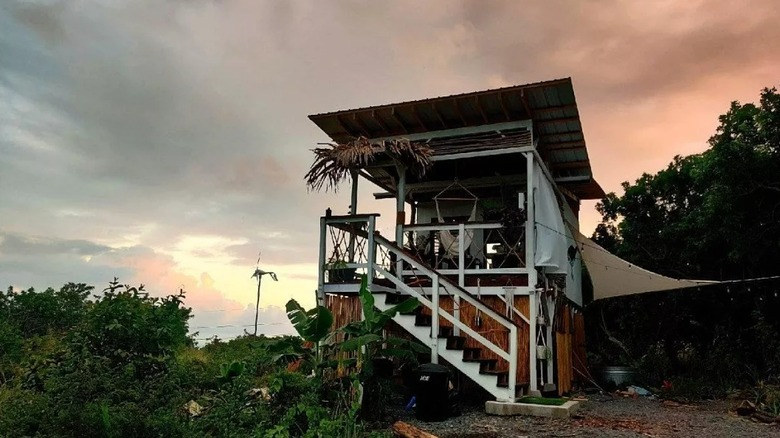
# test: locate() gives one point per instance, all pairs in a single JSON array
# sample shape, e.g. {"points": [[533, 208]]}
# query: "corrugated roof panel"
{"points": [[552, 102], [552, 97]]}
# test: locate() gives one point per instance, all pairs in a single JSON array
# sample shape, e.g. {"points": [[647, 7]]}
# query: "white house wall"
{"points": [[551, 241]]}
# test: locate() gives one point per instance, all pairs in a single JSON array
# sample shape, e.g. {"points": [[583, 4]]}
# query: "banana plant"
{"points": [[365, 337], [314, 327], [229, 371]]}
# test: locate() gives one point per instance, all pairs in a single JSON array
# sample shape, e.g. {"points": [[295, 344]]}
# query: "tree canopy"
{"points": [[713, 215]]}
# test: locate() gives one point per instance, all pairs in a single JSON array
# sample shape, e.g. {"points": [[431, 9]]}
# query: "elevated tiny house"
{"points": [[487, 188]]}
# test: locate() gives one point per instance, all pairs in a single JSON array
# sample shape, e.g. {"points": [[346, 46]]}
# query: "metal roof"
{"points": [[550, 105]]}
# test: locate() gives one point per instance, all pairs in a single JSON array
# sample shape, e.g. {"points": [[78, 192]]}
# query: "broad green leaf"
{"points": [[354, 344], [313, 325], [297, 317], [353, 328], [367, 301], [406, 306], [319, 327]]}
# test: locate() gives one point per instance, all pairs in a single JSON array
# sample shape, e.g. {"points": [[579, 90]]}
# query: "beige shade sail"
{"points": [[614, 277]]}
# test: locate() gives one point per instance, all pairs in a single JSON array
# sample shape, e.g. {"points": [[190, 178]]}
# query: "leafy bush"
{"points": [[123, 364]]}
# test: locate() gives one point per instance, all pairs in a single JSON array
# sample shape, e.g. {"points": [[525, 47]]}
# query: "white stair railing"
{"points": [[437, 280]]}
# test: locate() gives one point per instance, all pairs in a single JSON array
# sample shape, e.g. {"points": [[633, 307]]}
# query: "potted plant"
{"points": [[491, 210], [543, 352], [339, 272]]}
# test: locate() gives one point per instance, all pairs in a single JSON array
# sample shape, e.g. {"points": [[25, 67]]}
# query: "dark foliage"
{"points": [[714, 215]]}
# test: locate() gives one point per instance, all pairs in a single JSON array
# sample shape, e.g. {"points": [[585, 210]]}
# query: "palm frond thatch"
{"points": [[334, 162]]}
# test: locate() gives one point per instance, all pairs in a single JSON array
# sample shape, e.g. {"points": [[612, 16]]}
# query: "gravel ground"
{"points": [[603, 416]]}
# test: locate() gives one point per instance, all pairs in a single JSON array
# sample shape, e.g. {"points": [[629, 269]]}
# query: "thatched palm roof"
{"points": [[335, 162]]}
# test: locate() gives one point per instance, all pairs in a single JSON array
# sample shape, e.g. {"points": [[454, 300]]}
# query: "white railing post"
{"points": [[549, 335], [321, 266], [530, 263], [513, 363], [371, 250], [435, 320], [461, 272]]}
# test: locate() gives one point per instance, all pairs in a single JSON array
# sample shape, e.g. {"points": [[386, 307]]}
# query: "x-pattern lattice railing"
{"points": [[425, 243]]}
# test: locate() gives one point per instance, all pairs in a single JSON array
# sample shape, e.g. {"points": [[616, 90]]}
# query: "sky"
{"points": [[165, 142]]}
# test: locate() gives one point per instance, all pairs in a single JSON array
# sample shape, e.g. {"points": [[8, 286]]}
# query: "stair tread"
{"points": [[517, 385], [495, 372], [477, 360]]}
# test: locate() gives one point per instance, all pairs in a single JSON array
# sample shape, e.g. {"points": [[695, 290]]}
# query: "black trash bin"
{"points": [[433, 392]]}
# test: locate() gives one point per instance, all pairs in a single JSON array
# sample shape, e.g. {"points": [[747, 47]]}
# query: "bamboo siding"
{"points": [[493, 331], [564, 354], [578, 346]]}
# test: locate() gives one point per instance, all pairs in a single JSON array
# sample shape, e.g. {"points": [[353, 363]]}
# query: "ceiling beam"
{"points": [[438, 115], [503, 106], [361, 125], [481, 111], [378, 119], [481, 182], [460, 113], [525, 105], [418, 118], [398, 119]]}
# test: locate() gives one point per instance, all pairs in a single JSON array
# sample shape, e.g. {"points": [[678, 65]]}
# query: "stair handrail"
{"points": [[510, 356], [463, 293]]}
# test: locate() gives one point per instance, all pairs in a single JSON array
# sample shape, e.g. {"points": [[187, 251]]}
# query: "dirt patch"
{"points": [[609, 417]]}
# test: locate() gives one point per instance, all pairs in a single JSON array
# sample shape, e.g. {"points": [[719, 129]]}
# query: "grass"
{"points": [[542, 401]]}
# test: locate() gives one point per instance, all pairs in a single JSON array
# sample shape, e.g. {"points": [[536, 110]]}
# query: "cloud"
{"points": [[169, 139], [28, 246]]}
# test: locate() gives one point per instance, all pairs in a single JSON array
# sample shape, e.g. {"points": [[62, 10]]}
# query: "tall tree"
{"points": [[710, 215]]}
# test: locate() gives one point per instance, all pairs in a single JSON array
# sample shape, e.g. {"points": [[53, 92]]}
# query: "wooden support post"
{"points": [[353, 199], [530, 263], [400, 217], [353, 211], [371, 249], [321, 265]]}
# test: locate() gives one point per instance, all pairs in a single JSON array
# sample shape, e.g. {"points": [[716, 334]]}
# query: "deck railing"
{"points": [[494, 249], [345, 248]]}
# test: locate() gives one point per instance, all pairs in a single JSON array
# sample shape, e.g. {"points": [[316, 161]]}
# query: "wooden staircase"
{"points": [[483, 371], [497, 376]]}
